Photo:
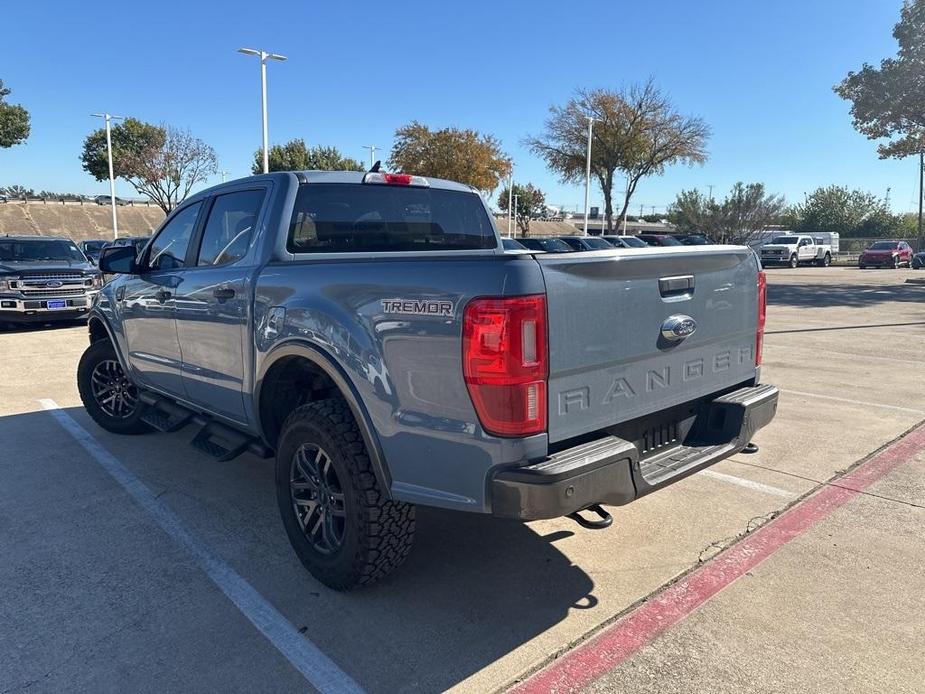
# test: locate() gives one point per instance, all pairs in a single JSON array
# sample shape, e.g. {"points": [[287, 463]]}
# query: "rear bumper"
{"points": [[615, 471]]}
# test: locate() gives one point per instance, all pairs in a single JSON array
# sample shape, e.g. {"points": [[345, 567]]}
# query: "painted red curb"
{"points": [[578, 668]]}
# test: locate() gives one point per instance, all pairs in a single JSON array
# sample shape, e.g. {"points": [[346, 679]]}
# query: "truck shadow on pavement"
{"points": [[473, 590]]}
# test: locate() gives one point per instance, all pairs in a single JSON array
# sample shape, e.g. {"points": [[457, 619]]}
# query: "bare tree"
{"points": [[161, 162], [637, 132]]}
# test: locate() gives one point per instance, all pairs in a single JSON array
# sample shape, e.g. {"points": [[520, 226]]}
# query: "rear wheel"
{"points": [[110, 398], [825, 261], [794, 262], [341, 526]]}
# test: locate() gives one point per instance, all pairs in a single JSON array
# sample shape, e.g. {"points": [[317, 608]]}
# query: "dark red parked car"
{"points": [[886, 254]]}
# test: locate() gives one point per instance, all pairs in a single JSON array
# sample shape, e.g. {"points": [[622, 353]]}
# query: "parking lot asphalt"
{"points": [[95, 594]]}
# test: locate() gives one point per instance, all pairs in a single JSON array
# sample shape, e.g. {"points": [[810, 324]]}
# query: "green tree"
{"points": [[466, 156], [530, 204], [637, 131], [161, 162], [889, 101], [847, 212], [745, 211], [14, 121], [295, 155]]}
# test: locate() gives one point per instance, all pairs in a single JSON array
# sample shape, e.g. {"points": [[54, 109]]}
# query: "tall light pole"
{"points": [[264, 57], [112, 181], [372, 154], [223, 173], [588, 172], [510, 200]]}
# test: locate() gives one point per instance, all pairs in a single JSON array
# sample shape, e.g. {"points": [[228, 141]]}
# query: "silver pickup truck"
{"points": [[370, 333], [45, 279]]}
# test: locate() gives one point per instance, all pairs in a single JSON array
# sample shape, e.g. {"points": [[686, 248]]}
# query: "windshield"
{"points": [[94, 246], [357, 218], [695, 241], [633, 242], [40, 249], [883, 246], [787, 240], [670, 241]]}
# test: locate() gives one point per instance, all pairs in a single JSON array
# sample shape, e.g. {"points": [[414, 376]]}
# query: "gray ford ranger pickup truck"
{"points": [[45, 279], [370, 333]]}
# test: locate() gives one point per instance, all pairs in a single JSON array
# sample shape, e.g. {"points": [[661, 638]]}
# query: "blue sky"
{"points": [[760, 73]]}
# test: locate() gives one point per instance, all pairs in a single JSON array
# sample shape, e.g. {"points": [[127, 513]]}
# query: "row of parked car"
{"points": [[570, 244]]}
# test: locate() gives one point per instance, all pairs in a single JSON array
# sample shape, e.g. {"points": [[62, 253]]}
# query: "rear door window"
{"points": [[372, 218]]}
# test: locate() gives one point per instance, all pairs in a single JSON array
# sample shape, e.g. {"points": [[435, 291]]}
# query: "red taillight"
{"points": [[397, 179], [762, 315], [505, 363]]}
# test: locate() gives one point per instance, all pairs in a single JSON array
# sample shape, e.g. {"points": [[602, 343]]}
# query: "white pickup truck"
{"points": [[793, 249]]}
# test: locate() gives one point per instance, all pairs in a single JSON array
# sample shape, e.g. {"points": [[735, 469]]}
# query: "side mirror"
{"points": [[118, 260]]}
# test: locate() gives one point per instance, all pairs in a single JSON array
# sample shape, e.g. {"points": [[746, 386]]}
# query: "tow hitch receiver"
{"points": [[605, 520]]}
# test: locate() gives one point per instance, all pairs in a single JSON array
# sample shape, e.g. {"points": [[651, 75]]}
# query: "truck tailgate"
{"points": [[608, 359]]}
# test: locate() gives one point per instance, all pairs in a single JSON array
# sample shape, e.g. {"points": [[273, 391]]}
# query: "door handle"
{"points": [[223, 293], [162, 295]]}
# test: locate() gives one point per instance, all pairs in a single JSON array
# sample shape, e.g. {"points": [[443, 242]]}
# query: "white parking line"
{"points": [[853, 402], [748, 484], [320, 671]]}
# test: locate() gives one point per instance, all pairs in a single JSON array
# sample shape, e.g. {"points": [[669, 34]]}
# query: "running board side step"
{"points": [[224, 443], [213, 438], [163, 414]]}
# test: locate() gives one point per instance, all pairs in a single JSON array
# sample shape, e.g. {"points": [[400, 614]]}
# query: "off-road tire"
{"points": [[98, 352], [794, 262], [378, 533]]}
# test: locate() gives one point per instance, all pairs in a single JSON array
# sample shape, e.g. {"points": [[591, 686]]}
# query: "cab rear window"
{"points": [[369, 218]]}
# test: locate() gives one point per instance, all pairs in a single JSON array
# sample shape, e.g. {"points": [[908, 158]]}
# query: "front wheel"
{"points": [[794, 261], [110, 398], [341, 526]]}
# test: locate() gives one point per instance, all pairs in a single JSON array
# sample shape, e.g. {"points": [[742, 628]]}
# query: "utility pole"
{"points": [[626, 204], [921, 181], [372, 154], [112, 181], [711, 191], [588, 172], [510, 200], [264, 57], [223, 173], [515, 206]]}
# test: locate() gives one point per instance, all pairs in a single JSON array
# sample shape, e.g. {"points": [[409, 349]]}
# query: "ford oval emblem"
{"points": [[54, 284], [676, 328]]}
